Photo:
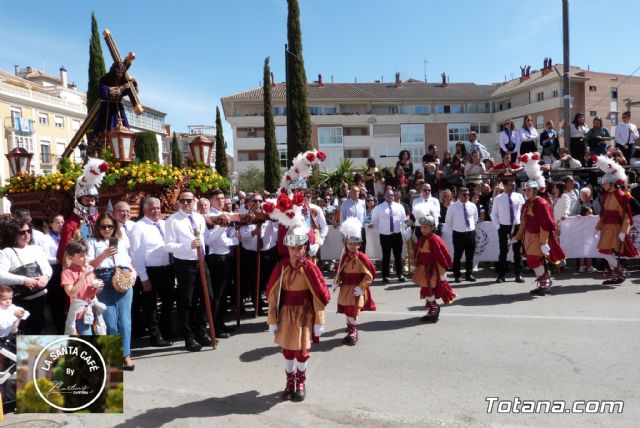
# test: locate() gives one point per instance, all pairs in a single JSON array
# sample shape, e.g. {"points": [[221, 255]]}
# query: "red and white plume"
{"points": [[610, 167], [92, 175], [302, 167], [286, 210], [532, 168]]}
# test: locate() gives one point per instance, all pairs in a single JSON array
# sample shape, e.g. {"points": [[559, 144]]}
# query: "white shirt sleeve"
{"points": [[138, 252]]}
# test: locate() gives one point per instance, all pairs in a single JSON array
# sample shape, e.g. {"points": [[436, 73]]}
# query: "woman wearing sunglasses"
{"points": [[108, 251]]}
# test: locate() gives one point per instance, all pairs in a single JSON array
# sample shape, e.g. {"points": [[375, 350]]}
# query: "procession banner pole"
{"points": [[205, 292], [238, 298]]}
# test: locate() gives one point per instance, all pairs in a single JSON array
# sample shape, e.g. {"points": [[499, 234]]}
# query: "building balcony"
{"points": [[19, 125], [41, 98]]}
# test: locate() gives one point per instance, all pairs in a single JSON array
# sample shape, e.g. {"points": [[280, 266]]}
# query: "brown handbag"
{"points": [[122, 280]]}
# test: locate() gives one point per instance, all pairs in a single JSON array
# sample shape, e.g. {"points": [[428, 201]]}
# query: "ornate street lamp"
{"points": [[201, 148], [19, 161], [121, 143], [83, 150]]}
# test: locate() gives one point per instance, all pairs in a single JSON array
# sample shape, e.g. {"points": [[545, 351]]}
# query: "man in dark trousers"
{"points": [[462, 217]]}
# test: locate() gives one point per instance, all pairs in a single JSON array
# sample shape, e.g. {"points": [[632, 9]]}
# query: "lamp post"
{"points": [[201, 148], [120, 141], [19, 161], [83, 151]]}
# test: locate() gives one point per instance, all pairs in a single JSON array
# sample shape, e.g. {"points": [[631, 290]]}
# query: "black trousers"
{"points": [[389, 243], [626, 150], [35, 323], [56, 299], [463, 242], [191, 310], [163, 287], [528, 147], [503, 238], [268, 261], [221, 268], [248, 271], [578, 148]]}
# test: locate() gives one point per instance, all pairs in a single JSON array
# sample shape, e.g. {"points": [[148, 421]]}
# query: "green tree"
{"points": [[221, 154], [298, 118], [272, 171], [176, 156], [115, 398], [251, 180], [29, 401], [96, 64], [146, 146]]}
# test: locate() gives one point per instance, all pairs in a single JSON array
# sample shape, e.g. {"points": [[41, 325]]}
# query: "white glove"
{"points": [[318, 329], [621, 236], [511, 241], [443, 277], [597, 236], [357, 291], [313, 250], [545, 249], [273, 328], [335, 287]]}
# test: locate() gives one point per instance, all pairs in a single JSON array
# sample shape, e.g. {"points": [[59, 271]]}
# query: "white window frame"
{"points": [[333, 139], [59, 121], [43, 118], [75, 124], [46, 143], [60, 147], [457, 132], [281, 135], [412, 133]]}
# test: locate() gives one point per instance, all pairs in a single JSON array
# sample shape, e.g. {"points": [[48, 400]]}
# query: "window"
{"points": [[279, 111], [614, 93], [316, 110], [283, 158], [592, 88], [478, 108], [384, 109], [416, 109], [593, 113], [75, 124], [60, 148], [356, 153], [45, 152], [59, 122], [457, 132], [481, 128], [250, 155], [540, 96], [354, 131], [43, 119], [412, 133], [329, 136], [539, 121], [449, 108], [281, 135], [613, 117], [555, 93], [250, 133]]}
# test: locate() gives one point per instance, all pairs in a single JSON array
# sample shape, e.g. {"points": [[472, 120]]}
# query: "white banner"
{"points": [[487, 243]]}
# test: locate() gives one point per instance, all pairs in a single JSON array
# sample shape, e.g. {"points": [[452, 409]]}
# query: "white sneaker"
{"points": [[582, 269], [591, 269]]}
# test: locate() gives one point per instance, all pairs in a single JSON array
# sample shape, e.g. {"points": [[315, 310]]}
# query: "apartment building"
{"points": [[362, 120]]}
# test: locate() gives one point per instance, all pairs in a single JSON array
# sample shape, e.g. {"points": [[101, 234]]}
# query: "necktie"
{"points": [[390, 218], [194, 227], [466, 215], [511, 213], [629, 137]]}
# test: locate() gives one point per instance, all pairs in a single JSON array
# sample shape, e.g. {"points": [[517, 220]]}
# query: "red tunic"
{"points": [[537, 228], [355, 271]]}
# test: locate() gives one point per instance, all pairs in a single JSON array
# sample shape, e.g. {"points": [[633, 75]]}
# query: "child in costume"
{"points": [[354, 275]]}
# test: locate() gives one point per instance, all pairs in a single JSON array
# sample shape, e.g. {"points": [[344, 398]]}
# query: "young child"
{"points": [[432, 259], [81, 286], [10, 314], [355, 275]]}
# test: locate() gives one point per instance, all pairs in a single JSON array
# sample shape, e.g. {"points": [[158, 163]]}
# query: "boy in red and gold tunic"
{"points": [[297, 295], [355, 274], [432, 259], [615, 219]]}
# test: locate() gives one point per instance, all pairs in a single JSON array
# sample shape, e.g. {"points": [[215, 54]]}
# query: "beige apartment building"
{"points": [[379, 119]]}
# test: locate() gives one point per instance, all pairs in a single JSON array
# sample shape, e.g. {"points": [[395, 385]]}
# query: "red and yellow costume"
{"points": [[537, 229], [356, 270], [616, 218]]}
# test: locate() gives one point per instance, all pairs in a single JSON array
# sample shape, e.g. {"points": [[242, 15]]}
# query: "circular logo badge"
{"points": [[82, 374]]}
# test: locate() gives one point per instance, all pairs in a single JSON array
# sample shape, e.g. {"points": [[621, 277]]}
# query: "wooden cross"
{"points": [[126, 79]]}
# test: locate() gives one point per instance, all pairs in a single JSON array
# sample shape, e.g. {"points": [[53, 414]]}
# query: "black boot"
{"points": [[433, 311], [290, 387]]}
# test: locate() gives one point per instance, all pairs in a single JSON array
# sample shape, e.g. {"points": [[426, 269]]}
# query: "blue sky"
{"points": [[191, 53]]}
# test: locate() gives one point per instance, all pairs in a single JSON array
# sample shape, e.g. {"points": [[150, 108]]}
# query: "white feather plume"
{"points": [[351, 227], [421, 210], [301, 168], [92, 175], [532, 168], [610, 166]]}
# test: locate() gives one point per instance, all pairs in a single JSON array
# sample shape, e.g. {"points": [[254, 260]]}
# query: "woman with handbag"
{"points": [[109, 255], [26, 269]]}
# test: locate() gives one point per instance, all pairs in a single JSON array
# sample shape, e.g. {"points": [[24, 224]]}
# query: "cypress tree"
{"points": [[146, 146], [96, 64], [221, 154], [176, 156], [298, 118], [271, 156]]}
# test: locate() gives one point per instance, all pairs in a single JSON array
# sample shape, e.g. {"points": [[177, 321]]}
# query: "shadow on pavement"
{"points": [[244, 403], [504, 299]]}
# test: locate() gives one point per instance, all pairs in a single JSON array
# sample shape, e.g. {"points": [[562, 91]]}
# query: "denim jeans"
{"points": [[118, 313], [83, 329]]}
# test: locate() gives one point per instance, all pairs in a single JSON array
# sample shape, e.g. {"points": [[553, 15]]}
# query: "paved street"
{"points": [[580, 343]]}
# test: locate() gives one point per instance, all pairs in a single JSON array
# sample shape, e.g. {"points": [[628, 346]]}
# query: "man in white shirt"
{"points": [[626, 135], [151, 261], [565, 161], [505, 215], [184, 237], [389, 218], [462, 217], [122, 213], [433, 203], [574, 195], [219, 239]]}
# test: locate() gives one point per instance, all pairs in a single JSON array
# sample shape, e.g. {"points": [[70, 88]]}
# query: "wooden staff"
{"points": [[258, 247], [205, 290], [238, 298]]}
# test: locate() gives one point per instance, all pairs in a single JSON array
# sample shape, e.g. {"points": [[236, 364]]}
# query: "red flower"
{"points": [[594, 158], [288, 178], [297, 171], [298, 199], [284, 203], [104, 167], [311, 157], [524, 158], [290, 214], [322, 156], [535, 156], [268, 207]]}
